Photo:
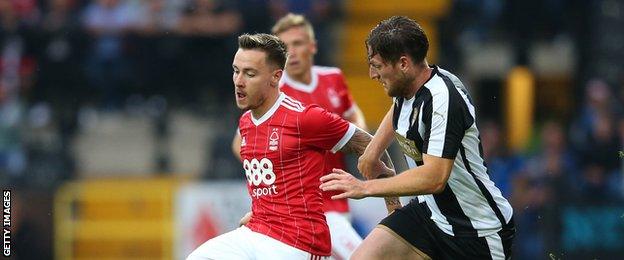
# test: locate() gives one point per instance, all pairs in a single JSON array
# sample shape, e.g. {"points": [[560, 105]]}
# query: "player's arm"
{"points": [[356, 116], [236, 145], [430, 178], [369, 160], [447, 123], [245, 219], [357, 144]]}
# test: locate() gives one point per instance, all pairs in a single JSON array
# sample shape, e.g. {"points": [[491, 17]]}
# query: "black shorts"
{"points": [[413, 225]]}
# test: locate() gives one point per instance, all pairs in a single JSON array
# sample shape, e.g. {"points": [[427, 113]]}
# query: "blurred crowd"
{"points": [[575, 159], [61, 59]]}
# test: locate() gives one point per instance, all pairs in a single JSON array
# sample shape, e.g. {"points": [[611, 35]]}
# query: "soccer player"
{"points": [[282, 148], [326, 87], [459, 213]]}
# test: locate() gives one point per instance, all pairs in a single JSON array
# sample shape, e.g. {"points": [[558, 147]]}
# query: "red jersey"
{"points": [[283, 156], [328, 89]]}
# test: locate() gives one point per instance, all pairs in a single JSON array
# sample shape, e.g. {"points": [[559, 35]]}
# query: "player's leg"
{"points": [[344, 239], [383, 243], [401, 235], [231, 245]]}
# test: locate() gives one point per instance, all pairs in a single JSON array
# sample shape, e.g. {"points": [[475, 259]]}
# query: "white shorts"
{"points": [[344, 239], [242, 243]]}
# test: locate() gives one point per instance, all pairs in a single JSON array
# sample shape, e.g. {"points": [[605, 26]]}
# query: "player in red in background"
{"points": [[327, 88], [283, 147]]}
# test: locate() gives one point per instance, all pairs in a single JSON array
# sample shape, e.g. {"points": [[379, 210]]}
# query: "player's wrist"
{"points": [[371, 154], [386, 174], [367, 188]]}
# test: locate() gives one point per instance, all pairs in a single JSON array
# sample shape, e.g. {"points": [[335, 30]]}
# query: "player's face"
{"points": [[394, 81], [253, 78], [301, 50]]}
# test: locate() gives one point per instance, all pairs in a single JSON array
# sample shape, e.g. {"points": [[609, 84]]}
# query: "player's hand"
{"points": [[343, 181], [372, 167], [245, 219], [366, 165]]}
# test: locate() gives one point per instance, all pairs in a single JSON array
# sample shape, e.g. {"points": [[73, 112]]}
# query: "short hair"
{"points": [[293, 20], [274, 48], [397, 36]]}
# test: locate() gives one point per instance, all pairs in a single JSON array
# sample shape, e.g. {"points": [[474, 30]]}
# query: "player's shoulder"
{"points": [[291, 105], [245, 121], [326, 71], [283, 83], [246, 116], [438, 84], [314, 112], [330, 77]]}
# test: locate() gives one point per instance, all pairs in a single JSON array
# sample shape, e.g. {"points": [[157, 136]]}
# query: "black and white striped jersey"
{"points": [[440, 121]]}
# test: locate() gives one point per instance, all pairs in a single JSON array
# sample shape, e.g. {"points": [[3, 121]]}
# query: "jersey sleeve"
{"points": [[444, 121], [324, 130]]}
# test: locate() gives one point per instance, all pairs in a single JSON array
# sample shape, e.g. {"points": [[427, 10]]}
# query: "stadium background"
{"points": [[116, 116]]}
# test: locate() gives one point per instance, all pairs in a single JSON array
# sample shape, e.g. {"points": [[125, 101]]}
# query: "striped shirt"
{"points": [[440, 121]]}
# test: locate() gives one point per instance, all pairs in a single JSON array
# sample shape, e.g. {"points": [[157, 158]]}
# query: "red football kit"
{"points": [[283, 155], [328, 89]]}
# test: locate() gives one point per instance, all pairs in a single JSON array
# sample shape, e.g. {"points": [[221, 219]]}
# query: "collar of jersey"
{"points": [[269, 113], [308, 88]]}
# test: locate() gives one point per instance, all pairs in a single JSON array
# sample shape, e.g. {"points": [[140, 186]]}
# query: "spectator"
{"points": [[554, 163], [256, 15], [107, 21], [209, 26], [597, 100], [502, 164], [60, 80], [16, 71], [156, 51]]}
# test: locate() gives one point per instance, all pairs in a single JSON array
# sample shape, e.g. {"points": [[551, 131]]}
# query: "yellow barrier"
{"points": [[521, 98], [115, 219]]}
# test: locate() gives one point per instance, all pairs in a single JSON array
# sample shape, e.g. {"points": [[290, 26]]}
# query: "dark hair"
{"points": [[398, 36], [270, 44]]}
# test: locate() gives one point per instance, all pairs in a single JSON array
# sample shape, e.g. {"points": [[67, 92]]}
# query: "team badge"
{"points": [[333, 98], [409, 147], [273, 140]]}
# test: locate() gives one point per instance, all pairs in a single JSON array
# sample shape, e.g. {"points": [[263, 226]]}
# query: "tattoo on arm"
{"points": [[392, 203], [358, 142]]}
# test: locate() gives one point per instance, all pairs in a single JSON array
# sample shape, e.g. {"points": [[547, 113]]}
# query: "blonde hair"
{"points": [[293, 20]]}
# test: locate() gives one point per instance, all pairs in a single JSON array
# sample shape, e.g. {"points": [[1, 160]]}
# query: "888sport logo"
{"points": [[260, 172]]}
